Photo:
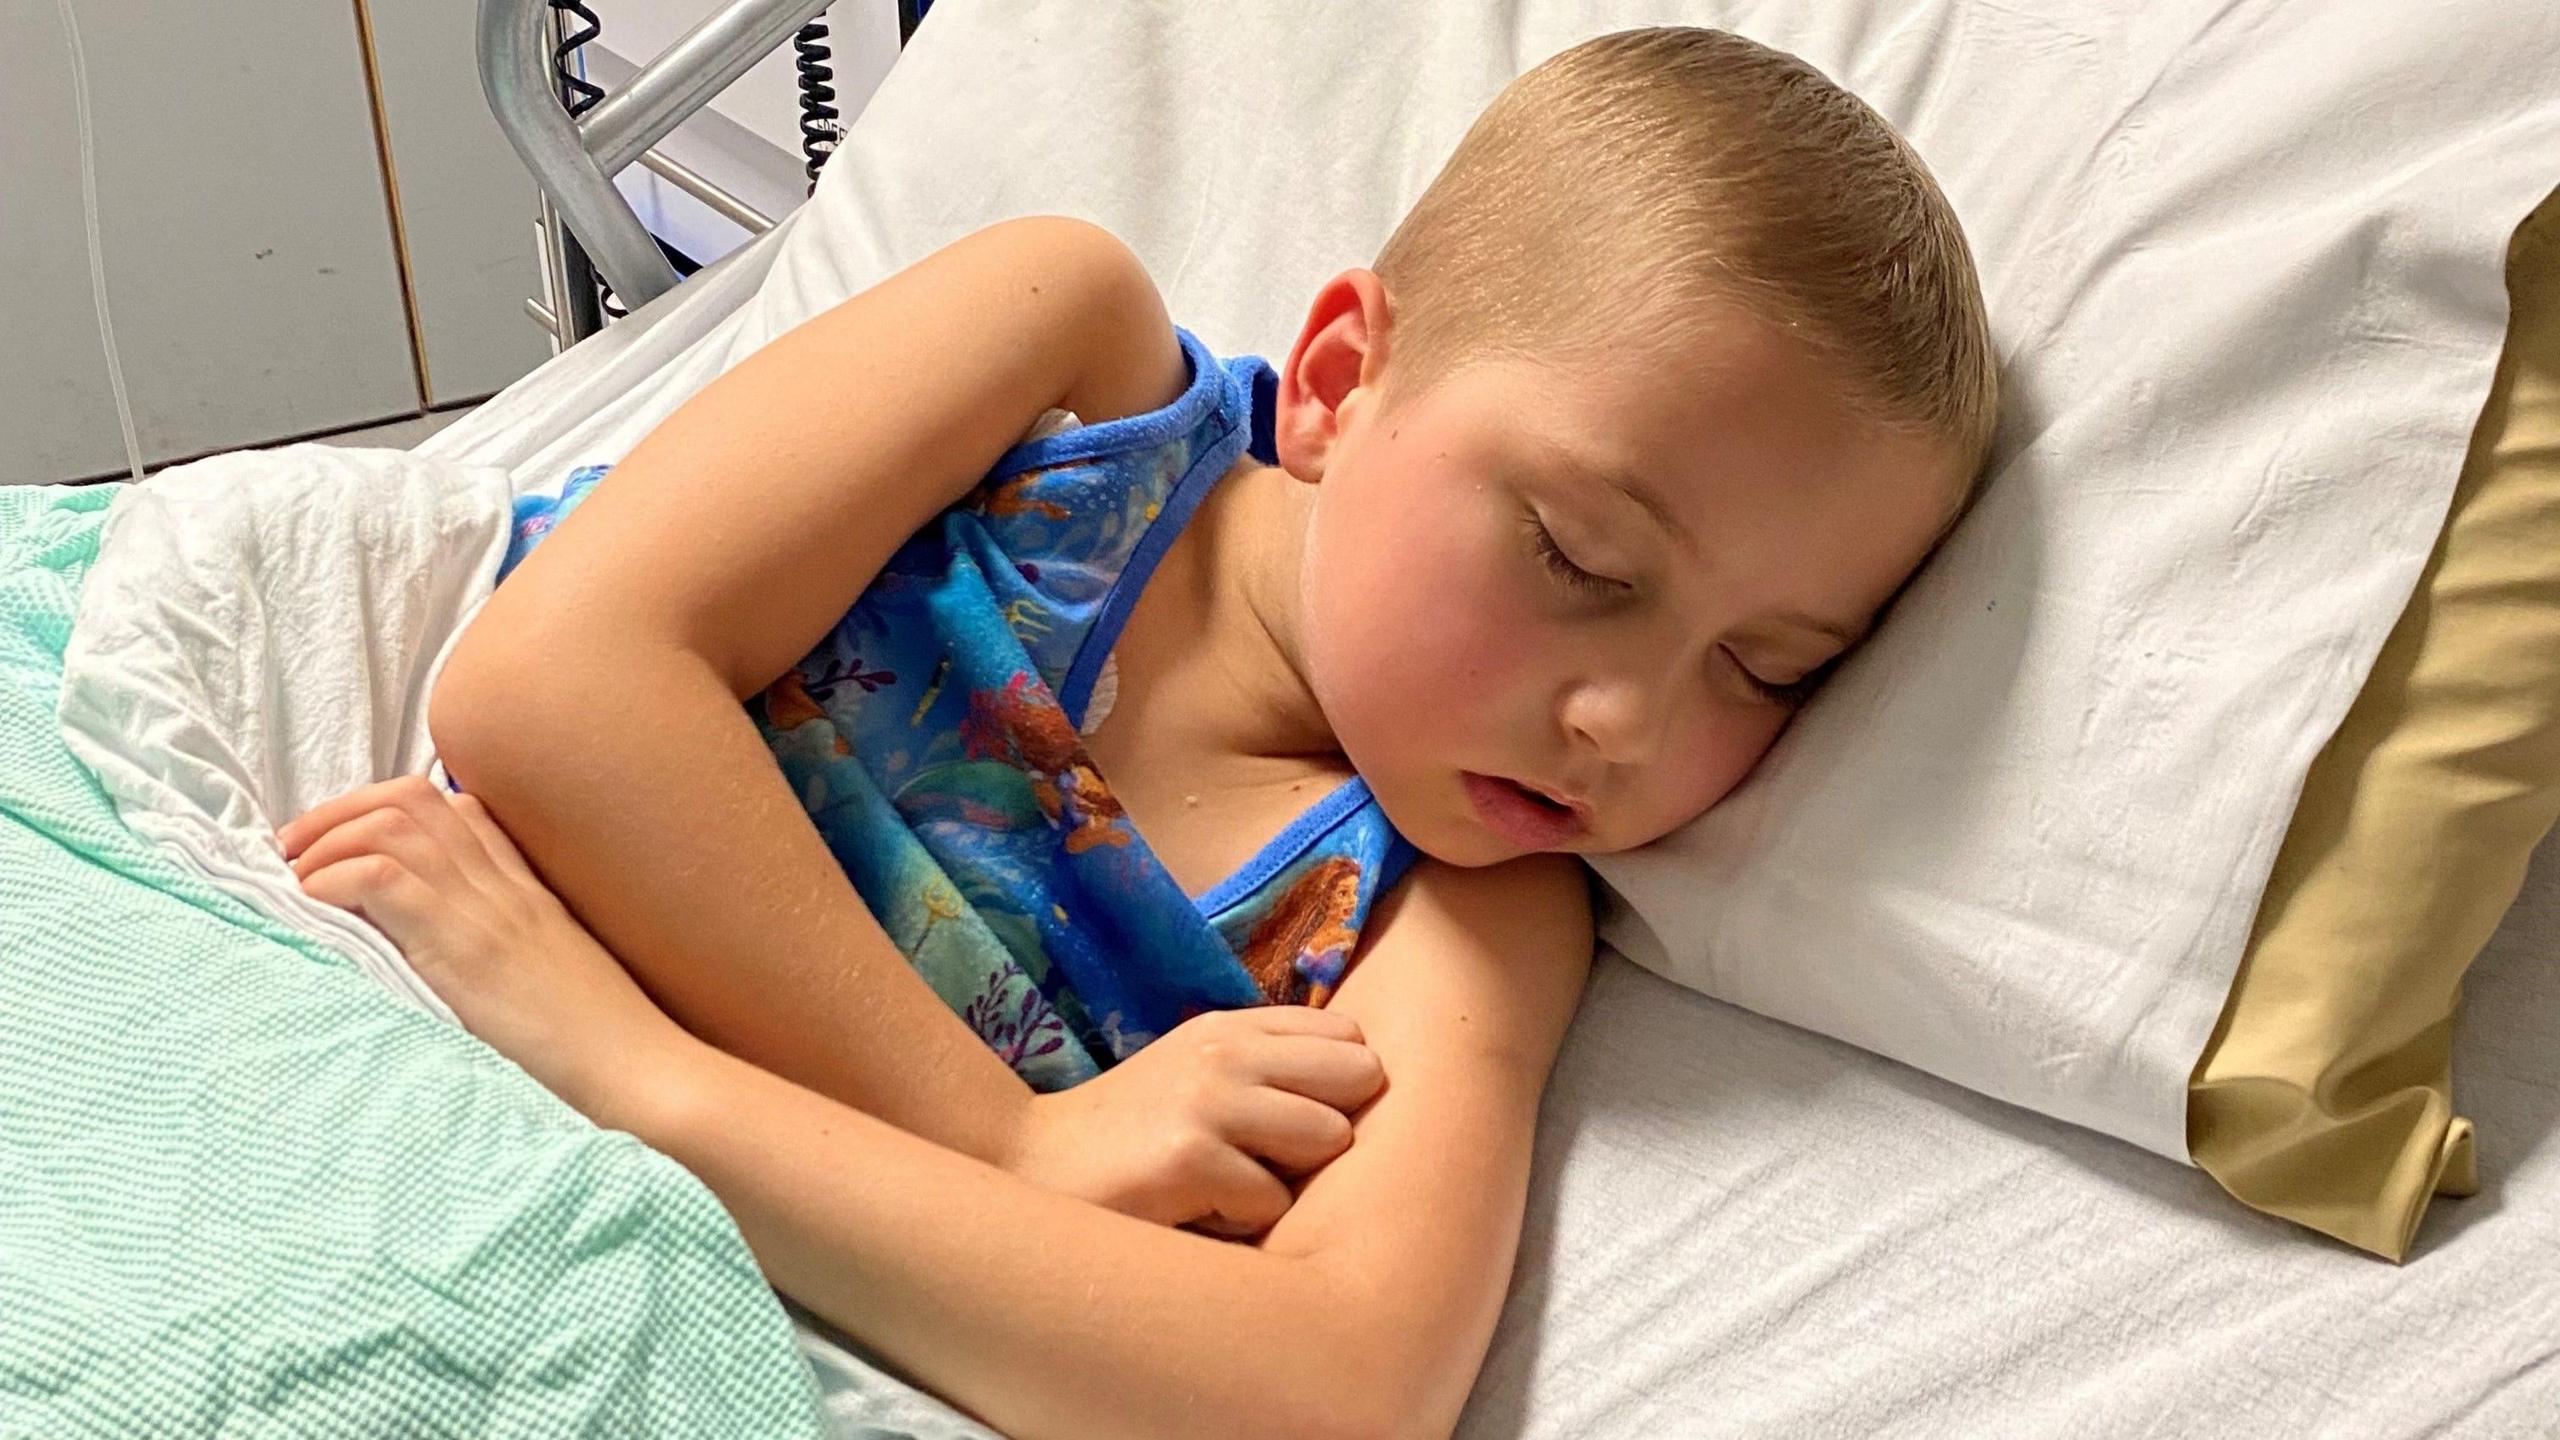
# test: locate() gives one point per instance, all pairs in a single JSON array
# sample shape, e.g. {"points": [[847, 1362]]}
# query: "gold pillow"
{"points": [[2325, 1094]]}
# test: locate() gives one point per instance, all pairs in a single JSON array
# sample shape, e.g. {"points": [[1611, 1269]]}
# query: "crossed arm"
{"points": [[870, 1183], [1365, 1312]]}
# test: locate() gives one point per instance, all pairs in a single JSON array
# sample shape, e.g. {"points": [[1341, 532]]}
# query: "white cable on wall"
{"points": [[97, 252]]}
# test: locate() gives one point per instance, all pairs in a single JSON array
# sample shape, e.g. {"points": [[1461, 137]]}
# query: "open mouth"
{"points": [[1526, 817], [1540, 799]]}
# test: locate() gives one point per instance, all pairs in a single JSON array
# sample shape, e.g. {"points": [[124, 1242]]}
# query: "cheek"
{"points": [[1723, 744], [1418, 632]]}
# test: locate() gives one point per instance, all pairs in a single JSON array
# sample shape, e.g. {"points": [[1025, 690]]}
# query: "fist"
{"points": [[1205, 1127]]}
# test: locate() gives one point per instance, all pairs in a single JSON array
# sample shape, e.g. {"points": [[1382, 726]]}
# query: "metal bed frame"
{"points": [[583, 219]]}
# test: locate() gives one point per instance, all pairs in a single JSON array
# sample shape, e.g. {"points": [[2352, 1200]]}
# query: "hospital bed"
{"points": [[1735, 1227]]}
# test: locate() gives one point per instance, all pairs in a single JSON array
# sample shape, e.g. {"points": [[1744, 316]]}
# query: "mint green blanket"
{"points": [[244, 1191]]}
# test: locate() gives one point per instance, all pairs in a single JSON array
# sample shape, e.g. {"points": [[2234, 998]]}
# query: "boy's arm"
{"points": [[1466, 984], [594, 705], [1365, 1312]]}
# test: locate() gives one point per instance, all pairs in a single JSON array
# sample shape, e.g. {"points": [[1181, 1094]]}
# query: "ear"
{"points": [[1333, 370]]}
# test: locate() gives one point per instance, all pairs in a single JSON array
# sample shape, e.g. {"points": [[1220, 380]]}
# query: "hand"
{"points": [[436, 874], [1178, 1133]]}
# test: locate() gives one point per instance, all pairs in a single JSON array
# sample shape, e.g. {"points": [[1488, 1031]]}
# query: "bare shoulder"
{"points": [[1513, 940], [1128, 359]]}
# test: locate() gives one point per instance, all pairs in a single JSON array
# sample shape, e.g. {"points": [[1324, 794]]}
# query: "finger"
{"points": [[1248, 1199], [415, 823], [420, 830], [388, 831], [1290, 1133], [329, 814], [1344, 1074], [376, 887], [1300, 1020], [438, 820], [493, 838]]}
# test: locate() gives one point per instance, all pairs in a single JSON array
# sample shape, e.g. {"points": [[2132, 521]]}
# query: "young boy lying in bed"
{"points": [[1164, 828]]}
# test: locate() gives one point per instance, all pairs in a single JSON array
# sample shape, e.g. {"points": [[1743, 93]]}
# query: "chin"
{"points": [[1488, 851], [1475, 852], [1450, 836]]}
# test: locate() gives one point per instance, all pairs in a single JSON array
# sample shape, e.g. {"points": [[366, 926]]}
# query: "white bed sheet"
{"points": [[1737, 1227], [2020, 841]]}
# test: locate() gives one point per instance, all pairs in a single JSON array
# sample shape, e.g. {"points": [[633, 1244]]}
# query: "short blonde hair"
{"points": [[1608, 191]]}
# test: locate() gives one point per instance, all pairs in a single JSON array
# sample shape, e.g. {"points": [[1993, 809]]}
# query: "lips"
{"points": [[1524, 815], [1556, 798]]}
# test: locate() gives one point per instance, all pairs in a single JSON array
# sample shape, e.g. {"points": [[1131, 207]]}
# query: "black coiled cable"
{"points": [[821, 124], [576, 92], [577, 95]]}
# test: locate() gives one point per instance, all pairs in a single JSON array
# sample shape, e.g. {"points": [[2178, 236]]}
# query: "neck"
{"points": [[1256, 552]]}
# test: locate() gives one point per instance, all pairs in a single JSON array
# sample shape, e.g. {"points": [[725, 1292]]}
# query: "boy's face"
{"points": [[1483, 610]]}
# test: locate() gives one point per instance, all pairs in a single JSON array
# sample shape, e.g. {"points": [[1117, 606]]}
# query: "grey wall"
{"points": [[251, 261], [248, 253], [255, 257], [466, 204]]}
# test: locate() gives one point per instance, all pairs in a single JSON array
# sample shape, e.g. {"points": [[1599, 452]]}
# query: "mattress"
{"points": [[1736, 1227], [1740, 1228], [2020, 843]]}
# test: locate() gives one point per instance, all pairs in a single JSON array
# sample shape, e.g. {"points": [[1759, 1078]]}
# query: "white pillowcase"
{"points": [[2246, 266], [2243, 261]]}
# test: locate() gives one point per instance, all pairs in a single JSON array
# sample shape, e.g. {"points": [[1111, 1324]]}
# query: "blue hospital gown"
{"points": [[933, 737]]}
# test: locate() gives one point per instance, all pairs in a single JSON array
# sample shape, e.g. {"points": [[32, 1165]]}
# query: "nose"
{"points": [[1615, 717]]}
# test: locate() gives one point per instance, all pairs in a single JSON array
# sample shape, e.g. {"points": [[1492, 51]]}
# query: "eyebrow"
{"points": [[1635, 489], [1847, 638], [1643, 495]]}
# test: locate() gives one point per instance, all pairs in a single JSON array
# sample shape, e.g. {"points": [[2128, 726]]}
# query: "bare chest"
{"points": [[1204, 816], [1203, 805]]}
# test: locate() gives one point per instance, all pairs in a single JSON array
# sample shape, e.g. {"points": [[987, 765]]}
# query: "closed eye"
{"points": [[1793, 694], [1543, 542]]}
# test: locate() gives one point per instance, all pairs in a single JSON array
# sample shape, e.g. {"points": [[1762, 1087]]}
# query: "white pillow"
{"points": [[2243, 263]]}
